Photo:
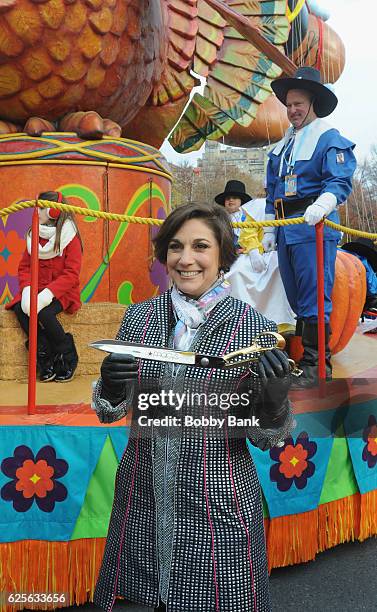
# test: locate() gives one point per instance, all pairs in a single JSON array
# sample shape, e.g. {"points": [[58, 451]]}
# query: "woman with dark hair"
{"points": [[60, 253], [186, 531]]}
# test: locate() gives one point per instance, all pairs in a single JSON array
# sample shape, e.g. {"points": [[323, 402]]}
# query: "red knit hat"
{"points": [[53, 213]]}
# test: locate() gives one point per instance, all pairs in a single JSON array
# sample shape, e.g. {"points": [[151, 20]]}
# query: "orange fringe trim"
{"points": [[292, 539], [339, 522], [368, 523], [34, 566], [297, 538]]}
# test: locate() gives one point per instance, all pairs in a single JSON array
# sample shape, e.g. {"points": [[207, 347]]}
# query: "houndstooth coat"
{"points": [[187, 521]]}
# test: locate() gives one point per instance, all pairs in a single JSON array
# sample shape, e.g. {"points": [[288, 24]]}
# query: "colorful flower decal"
{"points": [[11, 249], [34, 479], [370, 438], [292, 462], [12, 244]]}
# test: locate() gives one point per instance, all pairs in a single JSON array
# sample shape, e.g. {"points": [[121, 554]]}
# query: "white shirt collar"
{"points": [[313, 134]]}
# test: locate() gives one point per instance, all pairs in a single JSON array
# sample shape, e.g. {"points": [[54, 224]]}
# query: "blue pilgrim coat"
{"points": [[324, 164]]}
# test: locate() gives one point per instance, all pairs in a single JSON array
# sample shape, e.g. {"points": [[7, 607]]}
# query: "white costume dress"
{"points": [[263, 290]]}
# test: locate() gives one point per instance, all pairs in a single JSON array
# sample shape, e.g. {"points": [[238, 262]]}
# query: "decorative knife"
{"points": [[263, 342]]}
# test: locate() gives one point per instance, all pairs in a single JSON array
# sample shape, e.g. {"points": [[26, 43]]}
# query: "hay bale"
{"points": [[92, 322]]}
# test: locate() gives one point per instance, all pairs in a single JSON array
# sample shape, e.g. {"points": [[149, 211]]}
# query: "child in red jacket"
{"points": [[60, 253]]}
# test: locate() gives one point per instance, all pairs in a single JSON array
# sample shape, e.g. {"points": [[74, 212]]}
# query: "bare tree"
{"points": [[207, 184], [370, 172], [196, 185], [183, 182], [360, 212]]}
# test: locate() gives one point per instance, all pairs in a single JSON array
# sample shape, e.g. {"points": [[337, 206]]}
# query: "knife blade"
{"points": [[156, 353]]}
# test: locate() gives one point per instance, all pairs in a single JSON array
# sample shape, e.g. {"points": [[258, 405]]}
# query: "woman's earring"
{"points": [[221, 274]]}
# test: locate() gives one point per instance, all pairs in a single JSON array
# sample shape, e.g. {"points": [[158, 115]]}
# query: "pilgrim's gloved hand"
{"points": [[314, 214], [45, 298], [257, 261], [274, 373], [269, 241], [322, 207], [25, 300], [117, 373]]}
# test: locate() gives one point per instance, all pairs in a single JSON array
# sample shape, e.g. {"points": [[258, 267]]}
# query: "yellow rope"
{"points": [[99, 214], [77, 210], [350, 231], [275, 223], [87, 212]]}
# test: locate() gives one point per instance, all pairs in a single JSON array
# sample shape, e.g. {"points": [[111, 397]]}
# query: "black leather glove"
{"points": [[273, 364], [118, 372], [274, 373]]}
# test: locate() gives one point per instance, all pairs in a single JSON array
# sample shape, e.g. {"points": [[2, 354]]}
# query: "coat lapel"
{"points": [[163, 312]]}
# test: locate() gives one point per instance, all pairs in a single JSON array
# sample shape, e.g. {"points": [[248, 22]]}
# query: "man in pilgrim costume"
{"points": [[309, 173], [254, 276]]}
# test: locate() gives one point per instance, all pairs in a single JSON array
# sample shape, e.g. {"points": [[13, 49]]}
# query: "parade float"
{"points": [[74, 78]]}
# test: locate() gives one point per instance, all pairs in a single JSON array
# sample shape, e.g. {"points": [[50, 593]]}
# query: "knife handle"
{"points": [[209, 361]]}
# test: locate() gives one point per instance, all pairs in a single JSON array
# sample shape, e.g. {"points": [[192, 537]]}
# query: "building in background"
{"points": [[248, 161], [217, 165]]}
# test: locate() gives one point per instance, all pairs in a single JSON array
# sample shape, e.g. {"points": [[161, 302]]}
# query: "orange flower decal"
{"points": [[35, 478], [370, 438], [293, 461]]}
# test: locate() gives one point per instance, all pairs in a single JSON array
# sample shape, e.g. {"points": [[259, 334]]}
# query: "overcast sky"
{"points": [[356, 116]]}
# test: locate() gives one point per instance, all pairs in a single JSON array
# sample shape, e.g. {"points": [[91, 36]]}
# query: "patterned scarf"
{"points": [[192, 313]]}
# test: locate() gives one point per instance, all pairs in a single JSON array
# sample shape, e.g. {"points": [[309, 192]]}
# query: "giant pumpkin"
{"points": [[348, 299]]}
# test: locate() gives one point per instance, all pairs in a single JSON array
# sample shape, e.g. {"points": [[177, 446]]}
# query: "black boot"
{"points": [[371, 304], [45, 364], [161, 607], [66, 360], [309, 362], [45, 361]]}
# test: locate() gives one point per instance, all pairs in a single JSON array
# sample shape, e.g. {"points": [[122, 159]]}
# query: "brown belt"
{"points": [[289, 208]]}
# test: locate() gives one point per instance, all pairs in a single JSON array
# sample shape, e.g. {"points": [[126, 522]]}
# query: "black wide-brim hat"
{"points": [[233, 188], [364, 247], [309, 79]]}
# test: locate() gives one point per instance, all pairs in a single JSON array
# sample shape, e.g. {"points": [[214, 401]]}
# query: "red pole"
{"points": [[320, 301], [33, 321]]}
